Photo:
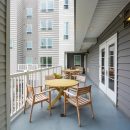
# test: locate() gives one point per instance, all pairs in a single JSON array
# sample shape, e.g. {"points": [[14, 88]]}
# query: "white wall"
{"points": [[66, 15]]}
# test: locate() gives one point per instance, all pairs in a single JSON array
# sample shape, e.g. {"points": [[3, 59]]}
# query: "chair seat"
{"points": [[81, 101], [38, 98]]}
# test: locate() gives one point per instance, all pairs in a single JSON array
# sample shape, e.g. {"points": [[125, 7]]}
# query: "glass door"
{"points": [[108, 67], [112, 68], [102, 70]]}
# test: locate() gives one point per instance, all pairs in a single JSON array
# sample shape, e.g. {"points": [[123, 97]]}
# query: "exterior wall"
{"points": [[13, 36], [34, 36], [54, 34], [4, 111], [19, 27], [70, 59], [16, 34], [18, 31], [65, 15], [123, 60]]}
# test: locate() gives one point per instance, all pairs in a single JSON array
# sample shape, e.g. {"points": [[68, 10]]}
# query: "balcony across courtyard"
{"points": [[107, 116]]}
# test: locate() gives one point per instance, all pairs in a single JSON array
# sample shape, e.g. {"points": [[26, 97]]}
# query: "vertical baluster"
{"points": [[21, 93], [26, 78], [11, 94], [18, 93], [15, 94], [41, 78]]}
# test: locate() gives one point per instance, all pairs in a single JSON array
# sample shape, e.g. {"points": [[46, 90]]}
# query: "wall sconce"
{"points": [[126, 18]]}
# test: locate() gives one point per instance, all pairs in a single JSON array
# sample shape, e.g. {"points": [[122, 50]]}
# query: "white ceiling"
{"points": [[92, 17]]}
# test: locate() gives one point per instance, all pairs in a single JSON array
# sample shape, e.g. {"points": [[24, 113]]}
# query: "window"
{"points": [[29, 29], [43, 25], [11, 44], [66, 31], [29, 45], [29, 12], [46, 24], [66, 4], [77, 60], [29, 60], [43, 43], [47, 5], [49, 43], [46, 43], [49, 23], [50, 5], [46, 61]]}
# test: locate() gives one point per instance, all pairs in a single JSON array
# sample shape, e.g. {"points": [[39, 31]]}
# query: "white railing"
{"points": [[18, 85], [23, 67]]}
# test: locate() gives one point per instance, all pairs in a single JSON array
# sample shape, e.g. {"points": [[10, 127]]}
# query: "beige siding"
{"points": [[3, 110], [54, 34], [13, 36], [19, 31], [34, 36]]}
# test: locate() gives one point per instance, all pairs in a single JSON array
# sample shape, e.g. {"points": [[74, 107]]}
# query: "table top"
{"points": [[58, 83], [72, 70]]}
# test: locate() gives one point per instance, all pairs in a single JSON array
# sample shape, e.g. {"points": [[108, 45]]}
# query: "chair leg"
{"points": [[31, 113], [50, 109], [92, 110], [50, 103], [65, 106], [25, 106], [78, 113]]}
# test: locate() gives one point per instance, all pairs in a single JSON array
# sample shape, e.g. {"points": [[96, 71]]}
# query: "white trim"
{"points": [[105, 88], [74, 59], [8, 65]]}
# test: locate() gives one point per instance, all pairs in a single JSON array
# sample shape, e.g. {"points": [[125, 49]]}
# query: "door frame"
{"points": [[107, 91]]}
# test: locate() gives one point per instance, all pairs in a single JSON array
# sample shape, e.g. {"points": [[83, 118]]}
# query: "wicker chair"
{"points": [[78, 100], [35, 98]]}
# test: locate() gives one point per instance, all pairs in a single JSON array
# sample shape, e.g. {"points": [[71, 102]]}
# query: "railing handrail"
{"points": [[31, 71], [18, 83]]}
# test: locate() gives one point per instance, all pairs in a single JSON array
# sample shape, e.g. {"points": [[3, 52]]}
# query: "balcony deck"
{"points": [[107, 117]]}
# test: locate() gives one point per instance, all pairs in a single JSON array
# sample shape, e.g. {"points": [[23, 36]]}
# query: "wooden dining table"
{"points": [[72, 71], [60, 85]]}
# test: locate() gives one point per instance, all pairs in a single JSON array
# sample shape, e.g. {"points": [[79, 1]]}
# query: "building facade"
{"points": [[45, 30]]}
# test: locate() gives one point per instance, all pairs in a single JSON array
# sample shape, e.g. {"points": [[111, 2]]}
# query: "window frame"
{"points": [[46, 44], [46, 6], [46, 60], [29, 48], [66, 5], [75, 60], [46, 21], [27, 29], [27, 10], [66, 31]]}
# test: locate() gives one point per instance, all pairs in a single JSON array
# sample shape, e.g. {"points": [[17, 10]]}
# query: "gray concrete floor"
{"points": [[107, 117]]}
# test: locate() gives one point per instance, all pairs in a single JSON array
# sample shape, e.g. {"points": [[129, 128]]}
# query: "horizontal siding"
{"points": [[123, 55], [93, 64], [2, 65]]}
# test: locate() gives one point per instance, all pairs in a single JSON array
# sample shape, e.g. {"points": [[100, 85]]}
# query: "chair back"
{"points": [[30, 90], [84, 90], [49, 77], [81, 79]]}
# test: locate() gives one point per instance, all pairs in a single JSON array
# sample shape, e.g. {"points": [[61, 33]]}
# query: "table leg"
{"points": [[57, 98]]}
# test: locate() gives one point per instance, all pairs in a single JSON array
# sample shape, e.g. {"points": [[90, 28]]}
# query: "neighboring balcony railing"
{"points": [[18, 86], [24, 67]]}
